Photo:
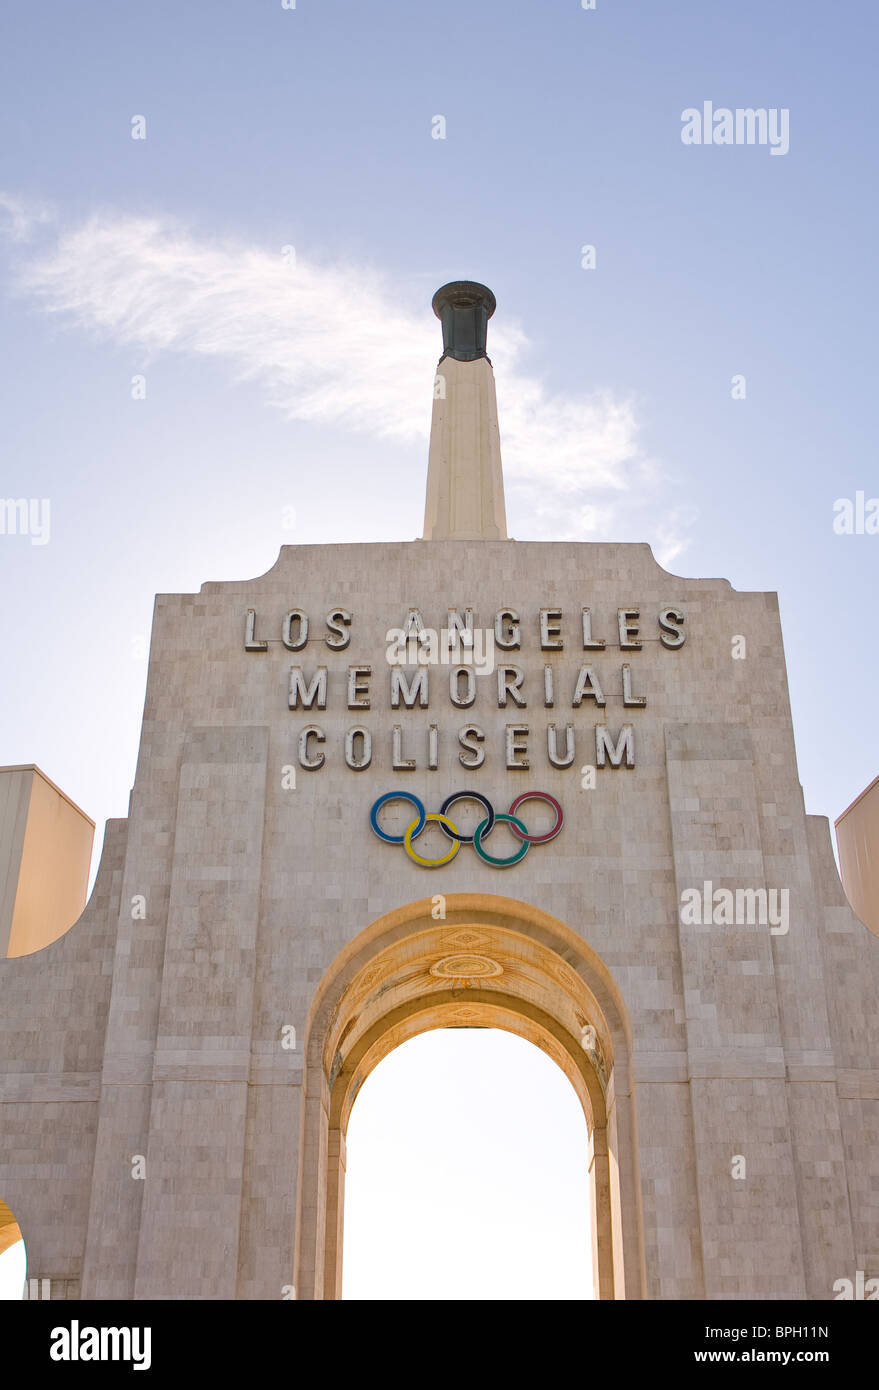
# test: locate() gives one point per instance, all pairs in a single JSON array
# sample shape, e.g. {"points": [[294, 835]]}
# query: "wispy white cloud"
{"points": [[334, 345], [670, 536], [19, 216]]}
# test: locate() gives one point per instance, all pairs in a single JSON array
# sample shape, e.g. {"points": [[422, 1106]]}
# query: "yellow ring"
{"points": [[419, 858]]}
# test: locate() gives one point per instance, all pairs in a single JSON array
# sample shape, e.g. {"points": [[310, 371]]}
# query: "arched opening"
{"points": [[13, 1256], [466, 1174], [479, 961]]}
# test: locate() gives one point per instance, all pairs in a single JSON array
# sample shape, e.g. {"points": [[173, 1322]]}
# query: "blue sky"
{"points": [[272, 384], [311, 128]]}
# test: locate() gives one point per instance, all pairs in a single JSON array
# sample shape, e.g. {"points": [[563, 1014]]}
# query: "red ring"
{"points": [[538, 796]]}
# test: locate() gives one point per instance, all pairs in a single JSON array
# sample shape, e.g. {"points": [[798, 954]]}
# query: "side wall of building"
{"points": [[52, 1024]]}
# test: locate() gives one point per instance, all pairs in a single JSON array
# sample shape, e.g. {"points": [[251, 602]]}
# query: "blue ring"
{"points": [[460, 796], [396, 796]]}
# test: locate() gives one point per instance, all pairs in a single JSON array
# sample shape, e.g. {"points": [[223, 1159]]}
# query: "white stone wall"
{"points": [[158, 1035]]}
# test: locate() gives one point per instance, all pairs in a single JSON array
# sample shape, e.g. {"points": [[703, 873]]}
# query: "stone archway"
{"points": [[490, 962]]}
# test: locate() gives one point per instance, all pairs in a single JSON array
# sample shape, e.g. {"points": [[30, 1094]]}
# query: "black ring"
{"points": [[463, 796]]}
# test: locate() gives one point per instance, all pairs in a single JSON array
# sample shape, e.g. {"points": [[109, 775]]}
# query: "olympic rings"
{"points": [[482, 831]]}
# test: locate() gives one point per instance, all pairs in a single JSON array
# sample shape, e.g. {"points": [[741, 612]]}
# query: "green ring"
{"points": [[488, 858]]}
